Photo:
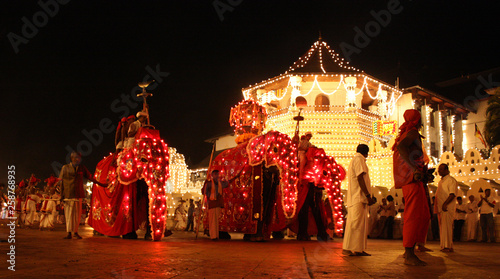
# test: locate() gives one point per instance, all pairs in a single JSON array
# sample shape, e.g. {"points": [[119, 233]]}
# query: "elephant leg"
{"points": [[278, 235], [304, 215], [259, 236], [142, 193], [270, 183], [316, 210]]}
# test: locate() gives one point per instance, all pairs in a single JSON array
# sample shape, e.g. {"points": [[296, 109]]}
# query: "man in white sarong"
{"points": [[446, 206], [472, 218], [49, 210], [212, 189], [31, 200], [486, 205], [72, 192], [180, 217], [357, 202]]}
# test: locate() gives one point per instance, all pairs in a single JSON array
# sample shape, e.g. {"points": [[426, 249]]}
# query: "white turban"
{"points": [[141, 113]]}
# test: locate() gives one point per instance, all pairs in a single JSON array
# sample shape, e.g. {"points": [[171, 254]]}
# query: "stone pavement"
{"points": [[45, 254]]}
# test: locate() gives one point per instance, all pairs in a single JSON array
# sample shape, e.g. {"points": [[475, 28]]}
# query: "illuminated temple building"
{"points": [[344, 106]]}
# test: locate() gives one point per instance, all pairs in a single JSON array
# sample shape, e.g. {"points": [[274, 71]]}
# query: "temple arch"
{"points": [[321, 103]]}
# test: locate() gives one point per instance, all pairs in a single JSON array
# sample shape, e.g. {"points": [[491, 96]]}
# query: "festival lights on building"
{"points": [[441, 141], [428, 111], [178, 171]]}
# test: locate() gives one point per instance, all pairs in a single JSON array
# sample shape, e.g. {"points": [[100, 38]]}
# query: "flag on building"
{"points": [[479, 136]]}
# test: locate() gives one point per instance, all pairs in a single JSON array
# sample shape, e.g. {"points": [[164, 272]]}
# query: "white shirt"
{"points": [[485, 207], [383, 211], [472, 208], [460, 215], [391, 209], [446, 186], [354, 193], [373, 210], [133, 128]]}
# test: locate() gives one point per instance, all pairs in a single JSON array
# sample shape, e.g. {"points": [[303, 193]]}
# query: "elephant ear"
{"points": [[276, 149], [105, 169], [127, 167], [231, 162], [257, 149]]}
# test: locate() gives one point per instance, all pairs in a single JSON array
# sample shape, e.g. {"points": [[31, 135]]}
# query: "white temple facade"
{"points": [[343, 107]]}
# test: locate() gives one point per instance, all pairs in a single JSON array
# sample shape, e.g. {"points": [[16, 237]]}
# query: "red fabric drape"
{"points": [[417, 215], [114, 210]]}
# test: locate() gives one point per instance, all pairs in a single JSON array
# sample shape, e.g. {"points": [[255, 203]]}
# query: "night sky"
{"points": [[74, 72]]}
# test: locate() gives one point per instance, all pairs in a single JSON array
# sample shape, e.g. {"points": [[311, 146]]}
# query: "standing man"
{"points": [[411, 162], [304, 144], [390, 213], [486, 205], [472, 219], [134, 128], [460, 213], [190, 221], [213, 191], [357, 201], [72, 192], [445, 205], [197, 212]]}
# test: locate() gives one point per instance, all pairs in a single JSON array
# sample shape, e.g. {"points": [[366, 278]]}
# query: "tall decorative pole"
{"points": [[144, 96], [298, 118]]}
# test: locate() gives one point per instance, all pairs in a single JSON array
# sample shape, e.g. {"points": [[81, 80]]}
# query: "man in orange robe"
{"points": [[409, 168]]}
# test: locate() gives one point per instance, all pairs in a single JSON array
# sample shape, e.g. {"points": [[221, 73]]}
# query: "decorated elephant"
{"points": [[321, 172], [136, 180], [265, 193]]}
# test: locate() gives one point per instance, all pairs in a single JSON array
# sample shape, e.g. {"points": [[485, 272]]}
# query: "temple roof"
{"points": [[320, 58]]}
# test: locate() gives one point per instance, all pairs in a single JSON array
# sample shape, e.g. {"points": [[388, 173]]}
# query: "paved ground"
{"points": [[46, 254]]}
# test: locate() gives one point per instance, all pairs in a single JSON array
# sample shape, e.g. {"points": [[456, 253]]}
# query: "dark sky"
{"points": [[69, 74]]}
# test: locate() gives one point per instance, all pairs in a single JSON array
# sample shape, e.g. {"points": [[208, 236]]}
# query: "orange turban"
{"points": [[412, 121]]}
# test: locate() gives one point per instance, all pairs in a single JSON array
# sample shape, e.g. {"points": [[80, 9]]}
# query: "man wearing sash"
{"points": [[72, 192], [213, 191]]}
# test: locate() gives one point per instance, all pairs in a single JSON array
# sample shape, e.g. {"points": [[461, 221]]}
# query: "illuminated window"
{"points": [[301, 101], [322, 103]]}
